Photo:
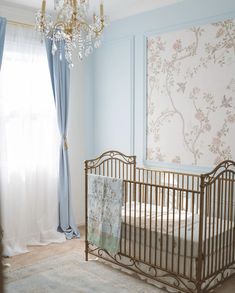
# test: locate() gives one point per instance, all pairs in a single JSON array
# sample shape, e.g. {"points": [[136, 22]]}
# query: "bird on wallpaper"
{"points": [[181, 86], [226, 102]]}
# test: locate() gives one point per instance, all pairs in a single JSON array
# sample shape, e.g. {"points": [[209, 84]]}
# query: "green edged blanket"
{"points": [[105, 196]]}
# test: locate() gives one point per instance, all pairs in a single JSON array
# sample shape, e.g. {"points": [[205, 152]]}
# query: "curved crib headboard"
{"points": [[219, 191], [112, 164], [225, 170]]}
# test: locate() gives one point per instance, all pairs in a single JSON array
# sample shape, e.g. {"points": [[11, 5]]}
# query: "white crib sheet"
{"points": [[169, 232]]}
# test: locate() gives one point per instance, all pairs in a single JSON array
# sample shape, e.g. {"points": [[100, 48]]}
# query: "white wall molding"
{"points": [[167, 29]]}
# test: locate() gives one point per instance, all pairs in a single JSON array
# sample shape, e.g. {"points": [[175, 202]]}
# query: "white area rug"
{"points": [[71, 273]]}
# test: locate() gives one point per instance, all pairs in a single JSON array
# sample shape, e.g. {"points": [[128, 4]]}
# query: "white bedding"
{"points": [[168, 231]]}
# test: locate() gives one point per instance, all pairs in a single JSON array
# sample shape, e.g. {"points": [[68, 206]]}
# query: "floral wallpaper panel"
{"points": [[191, 95]]}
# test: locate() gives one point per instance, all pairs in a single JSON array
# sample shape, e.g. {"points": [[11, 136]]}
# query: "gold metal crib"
{"points": [[177, 229]]}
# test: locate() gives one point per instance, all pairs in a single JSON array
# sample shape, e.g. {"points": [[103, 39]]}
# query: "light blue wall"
{"points": [[118, 71], [113, 109]]}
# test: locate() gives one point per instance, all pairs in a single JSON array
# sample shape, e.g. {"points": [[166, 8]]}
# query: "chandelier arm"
{"points": [[101, 29], [82, 23], [96, 31]]}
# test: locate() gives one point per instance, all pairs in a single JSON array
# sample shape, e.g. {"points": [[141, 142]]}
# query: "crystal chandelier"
{"points": [[72, 26]]}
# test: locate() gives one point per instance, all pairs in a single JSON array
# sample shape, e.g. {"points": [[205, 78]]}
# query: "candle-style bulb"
{"points": [[74, 4], [101, 10], [43, 6]]}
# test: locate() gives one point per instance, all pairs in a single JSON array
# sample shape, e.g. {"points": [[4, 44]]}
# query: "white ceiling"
{"points": [[116, 9]]}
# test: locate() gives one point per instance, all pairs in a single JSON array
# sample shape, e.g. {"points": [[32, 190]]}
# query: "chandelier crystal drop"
{"points": [[72, 26]]}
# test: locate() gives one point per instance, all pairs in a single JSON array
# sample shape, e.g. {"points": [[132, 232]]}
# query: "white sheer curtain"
{"points": [[29, 144]]}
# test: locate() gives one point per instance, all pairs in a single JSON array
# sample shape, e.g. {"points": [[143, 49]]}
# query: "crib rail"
{"points": [[176, 180], [113, 164], [168, 178]]}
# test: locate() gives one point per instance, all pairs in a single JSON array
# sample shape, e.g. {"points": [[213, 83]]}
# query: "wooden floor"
{"points": [[39, 253]]}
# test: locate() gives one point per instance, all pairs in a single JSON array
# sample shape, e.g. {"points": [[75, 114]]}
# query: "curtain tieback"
{"points": [[65, 143]]}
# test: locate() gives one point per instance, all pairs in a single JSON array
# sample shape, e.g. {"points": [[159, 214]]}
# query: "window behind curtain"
{"points": [[28, 144]]}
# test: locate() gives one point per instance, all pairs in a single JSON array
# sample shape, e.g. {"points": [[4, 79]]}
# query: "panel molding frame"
{"points": [[155, 32]]}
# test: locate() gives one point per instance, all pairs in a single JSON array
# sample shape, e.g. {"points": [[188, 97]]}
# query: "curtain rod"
{"points": [[20, 23]]}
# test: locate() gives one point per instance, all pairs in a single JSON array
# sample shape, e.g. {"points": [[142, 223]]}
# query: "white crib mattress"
{"points": [[160, 228]]}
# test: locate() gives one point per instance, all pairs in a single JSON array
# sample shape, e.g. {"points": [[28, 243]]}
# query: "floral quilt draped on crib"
{"points": [[104, 212]]}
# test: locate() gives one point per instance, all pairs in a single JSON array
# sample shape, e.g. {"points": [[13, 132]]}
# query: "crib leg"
{"points": [[86, 250], [199, 288]]}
